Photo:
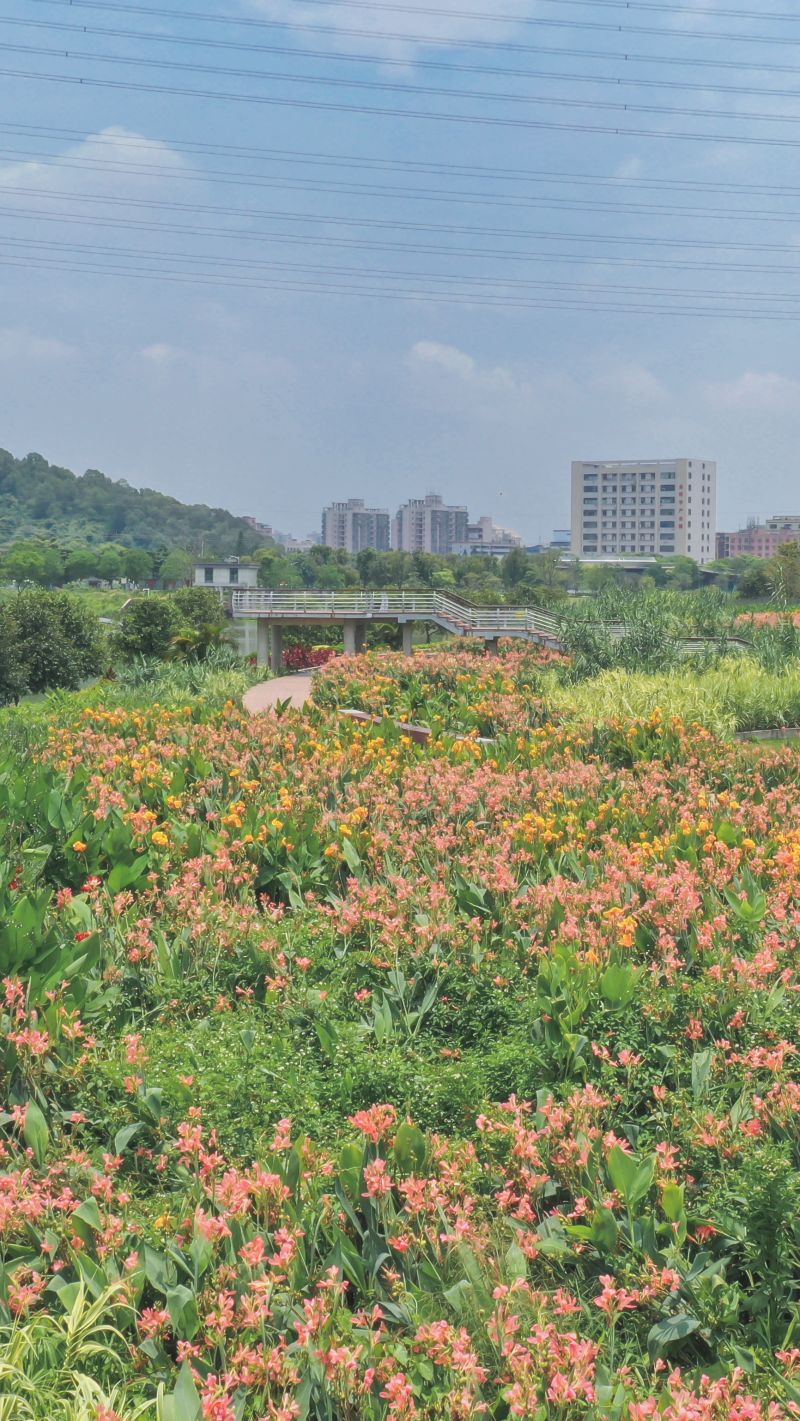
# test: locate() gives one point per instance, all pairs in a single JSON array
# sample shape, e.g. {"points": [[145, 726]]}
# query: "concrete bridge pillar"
{"points": [[355, 636], [276, 648], [262, 641], [408, 637]]}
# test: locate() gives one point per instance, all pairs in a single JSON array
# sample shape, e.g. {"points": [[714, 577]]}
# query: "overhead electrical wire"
{"points": [[281, 101], [295, 52], [423, 295], [391, 87], [456, 197], [412, 165], [328, 239], [515, 46], [392, 223], [450, 277], [483, 17]]}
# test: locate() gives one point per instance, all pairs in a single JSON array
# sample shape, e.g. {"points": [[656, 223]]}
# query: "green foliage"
{"points": [[47, 639], [147, 628], [37, 498], [13, 675]]}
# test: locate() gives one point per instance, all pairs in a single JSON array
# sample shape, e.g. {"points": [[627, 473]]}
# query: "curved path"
{"points": [[265, 695]]}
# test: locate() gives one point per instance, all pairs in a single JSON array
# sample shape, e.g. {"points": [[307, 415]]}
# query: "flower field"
{"points": [[346, 1077]]}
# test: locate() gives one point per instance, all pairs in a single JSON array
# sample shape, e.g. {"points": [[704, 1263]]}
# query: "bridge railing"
{"points": [[479, 621]]}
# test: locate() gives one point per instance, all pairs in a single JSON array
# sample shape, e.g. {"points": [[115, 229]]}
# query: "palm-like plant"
{"points": [[68, 1366]]}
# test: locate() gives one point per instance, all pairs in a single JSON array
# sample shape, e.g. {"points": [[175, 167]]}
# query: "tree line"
{"points": [[51, 640], [38, 498]]}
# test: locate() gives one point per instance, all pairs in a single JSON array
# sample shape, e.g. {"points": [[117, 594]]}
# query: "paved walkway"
{"points": [[265, 696]]}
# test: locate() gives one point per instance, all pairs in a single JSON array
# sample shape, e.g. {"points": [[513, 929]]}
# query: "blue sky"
{"points": [[272, 291]]}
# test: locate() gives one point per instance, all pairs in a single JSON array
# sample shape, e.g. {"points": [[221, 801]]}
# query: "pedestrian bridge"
{"points": [[355, 610]]}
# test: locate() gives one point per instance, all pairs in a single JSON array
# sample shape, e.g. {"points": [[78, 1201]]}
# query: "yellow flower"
{"points": [[160, 838], [277, 825], [79, 846]]}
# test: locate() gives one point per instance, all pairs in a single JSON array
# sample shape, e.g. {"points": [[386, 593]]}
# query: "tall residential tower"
{"points": [[352, 526], [429, 525]]}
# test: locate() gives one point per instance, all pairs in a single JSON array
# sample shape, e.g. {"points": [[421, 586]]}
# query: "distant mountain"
{"points": [[38, 499]]}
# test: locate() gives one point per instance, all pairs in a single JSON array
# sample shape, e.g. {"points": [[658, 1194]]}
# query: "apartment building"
{"points": [[488, 539], [429, 525], [353, 526], [656, 506], [759, 540]]}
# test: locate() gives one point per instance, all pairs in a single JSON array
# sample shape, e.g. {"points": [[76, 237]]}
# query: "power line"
{"points": [[483, 17], [386, 87], [515, 46], [339, 57], [446, 278], [416, 166], [85, 81], [384, 192], [327, 239], [428, 296], [395, 224]]}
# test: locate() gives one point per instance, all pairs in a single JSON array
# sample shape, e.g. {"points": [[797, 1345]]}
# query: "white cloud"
{"points": [[630, 383], [160, 353], [395, 34], [111, 162], [23, 346], [755, 392], [463, 367]]}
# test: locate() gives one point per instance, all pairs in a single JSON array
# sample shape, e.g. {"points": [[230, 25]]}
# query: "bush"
{"points": [[147, 628], [58, 641]]}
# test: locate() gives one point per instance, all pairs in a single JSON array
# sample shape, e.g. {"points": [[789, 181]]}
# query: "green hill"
{"points": [[38, 499]]}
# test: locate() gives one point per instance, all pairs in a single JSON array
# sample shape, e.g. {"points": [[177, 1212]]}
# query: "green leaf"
{"points": [[631, 1177], [95, 1277], [184, 1403], [672, 1329], [603, 1232], [182, 1308], [618, 984], [352, 856], [89, 1214], [702, 1061], [516, 1262], [410, 1147], [123, 875], [158, 1270], [672, 1202], [35, 1131], [124, 1136]]}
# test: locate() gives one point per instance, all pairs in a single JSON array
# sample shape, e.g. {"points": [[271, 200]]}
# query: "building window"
{"points": [[208, 574], [234, 575]]}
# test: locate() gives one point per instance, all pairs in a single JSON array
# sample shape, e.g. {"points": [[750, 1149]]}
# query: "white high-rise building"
{"points": [[429, 525], [657, 506], [352, 526]]}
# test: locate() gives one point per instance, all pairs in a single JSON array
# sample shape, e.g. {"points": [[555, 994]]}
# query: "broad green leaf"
{"points": [[36, 1132], [124, 1136], [89, 1214], [410, 1147], [702, 1062], [352, 856], [618, 984], [184, 1403], [516, 1262], [159, 1271], [665, 1333], [672, 1202], [603, 1232], [629, 1175], [182, 1308]]}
